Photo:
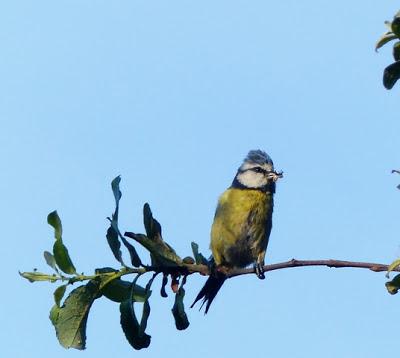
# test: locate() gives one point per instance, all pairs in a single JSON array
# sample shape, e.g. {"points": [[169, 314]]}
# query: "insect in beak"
{"points": [[275, 175]]}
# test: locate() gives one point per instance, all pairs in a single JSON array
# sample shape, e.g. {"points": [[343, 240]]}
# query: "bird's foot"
{"points": [[259, 269], [221, 269]]}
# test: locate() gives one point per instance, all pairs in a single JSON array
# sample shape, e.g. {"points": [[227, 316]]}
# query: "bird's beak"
{"points": [[275, 175]]}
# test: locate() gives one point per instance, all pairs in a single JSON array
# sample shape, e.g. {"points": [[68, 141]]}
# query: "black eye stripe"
{"points": [[259, 170], [256, 170]]}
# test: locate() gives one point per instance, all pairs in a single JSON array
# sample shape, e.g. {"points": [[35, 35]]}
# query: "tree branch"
{"points": [[188, 269], [376, 267]]}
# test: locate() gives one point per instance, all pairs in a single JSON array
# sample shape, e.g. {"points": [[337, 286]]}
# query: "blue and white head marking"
{"points": [[258, 157], [256, 172]]}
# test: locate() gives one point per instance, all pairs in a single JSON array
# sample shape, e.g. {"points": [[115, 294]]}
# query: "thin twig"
{"points": [[376, 267], [188, 269]]}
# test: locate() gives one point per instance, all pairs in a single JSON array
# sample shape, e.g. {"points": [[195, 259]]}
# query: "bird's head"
{"points": [[257, 172]]}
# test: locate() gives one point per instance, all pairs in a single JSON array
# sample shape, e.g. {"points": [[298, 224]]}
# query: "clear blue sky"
{"points": [[172, 95]]}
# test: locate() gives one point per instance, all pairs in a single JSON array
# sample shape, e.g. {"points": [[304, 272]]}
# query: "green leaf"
{"points": [[119, 291], [62, 258], [105, 270], [113, 233], [189, 260], [108, 275], [70, 320], [54, 313], [392, 266], [38, 276], [50, 260], [146, 306], [113, 242], [393, 285], [178, 310], [131, 327], [145, 317], [135, 332], [164, 283], [200, 259], [60, 251], [386, 37], [115, 188], [396, 25], [59, 294], [135, 259], [391, 75], [54, 220], [152, 226], [396, 51], [162, 253]]}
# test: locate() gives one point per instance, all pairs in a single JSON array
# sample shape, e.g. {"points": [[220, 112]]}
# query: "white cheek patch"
{"points": [[251, 179]]}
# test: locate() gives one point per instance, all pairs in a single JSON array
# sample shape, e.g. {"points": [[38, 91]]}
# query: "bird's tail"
{"points": [[210, 289]]}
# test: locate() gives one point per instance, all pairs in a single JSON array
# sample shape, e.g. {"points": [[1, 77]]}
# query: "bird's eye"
{"points": [[259, 170]]}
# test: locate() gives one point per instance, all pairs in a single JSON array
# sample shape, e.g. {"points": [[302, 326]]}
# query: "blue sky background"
{"points": [[172, 95]]}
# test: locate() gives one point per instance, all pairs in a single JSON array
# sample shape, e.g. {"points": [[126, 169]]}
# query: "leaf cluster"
{"points": [[392, 72], [69, 316]]}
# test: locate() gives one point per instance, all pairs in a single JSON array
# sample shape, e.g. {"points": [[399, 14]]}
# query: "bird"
{"points": [[242, 223]]}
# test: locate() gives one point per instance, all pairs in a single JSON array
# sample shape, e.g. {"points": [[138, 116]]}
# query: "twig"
{"points": [[376, 267], [188, 269]]}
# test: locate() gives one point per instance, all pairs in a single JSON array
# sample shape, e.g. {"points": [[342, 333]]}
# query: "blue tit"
{"points": [[242, 223]]}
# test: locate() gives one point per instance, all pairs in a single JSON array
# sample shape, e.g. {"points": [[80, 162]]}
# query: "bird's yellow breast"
{"points": [[241, 226]]}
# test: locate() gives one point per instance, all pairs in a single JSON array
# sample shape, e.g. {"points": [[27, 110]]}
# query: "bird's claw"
{"points": [[259, 268]]}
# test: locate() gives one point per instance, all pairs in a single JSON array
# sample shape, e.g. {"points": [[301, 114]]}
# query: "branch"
{"points": [[188, 269], [376, 267]]}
